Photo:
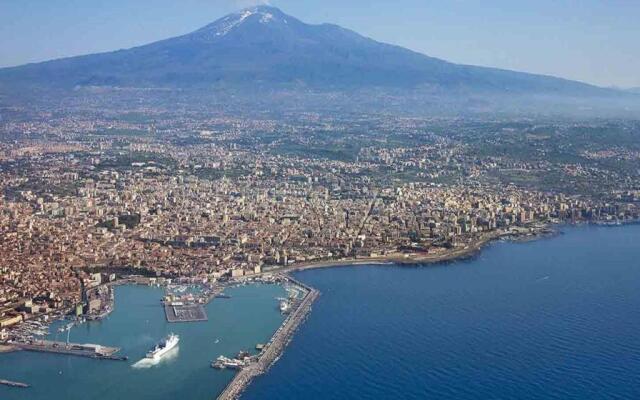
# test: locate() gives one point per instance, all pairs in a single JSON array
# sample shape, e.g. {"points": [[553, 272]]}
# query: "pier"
{"points": [[83, 350], [272, 350], [13, 384], [192, 309], [185, 312]]}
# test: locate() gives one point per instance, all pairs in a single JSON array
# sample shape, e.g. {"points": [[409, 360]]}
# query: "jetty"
{"points": [[13, 384], [83, 350], [272, 350]]}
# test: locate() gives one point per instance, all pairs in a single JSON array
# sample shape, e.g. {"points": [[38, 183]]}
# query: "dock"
{"points": [[272, 350], [82, 350], [14, 384], [185, 312]]}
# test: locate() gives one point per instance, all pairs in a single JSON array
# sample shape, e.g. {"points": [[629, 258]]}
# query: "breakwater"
{"points": [[578, 289], [137, 323], [272, 350]]}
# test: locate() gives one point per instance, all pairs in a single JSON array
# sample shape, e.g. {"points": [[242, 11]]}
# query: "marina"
{"points": [[247, 300], [136, 325], [182, 304]]}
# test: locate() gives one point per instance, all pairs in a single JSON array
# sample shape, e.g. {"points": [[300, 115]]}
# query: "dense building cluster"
{"points": [[208, 199]]}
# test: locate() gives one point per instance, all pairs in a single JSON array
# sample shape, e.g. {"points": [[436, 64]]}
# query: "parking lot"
{"points": [[185, 313]]}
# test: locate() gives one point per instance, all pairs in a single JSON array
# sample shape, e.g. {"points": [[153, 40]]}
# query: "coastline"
{"points": [[274, 349], [282, 337], [507, 282], [7, 348], [415, 259], [243, 378]]}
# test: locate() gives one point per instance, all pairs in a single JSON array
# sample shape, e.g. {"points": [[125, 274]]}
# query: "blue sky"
{"points": [[596, 41]]}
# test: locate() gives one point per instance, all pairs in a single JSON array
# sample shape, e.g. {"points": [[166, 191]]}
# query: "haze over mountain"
{"points": [[263, 47]]}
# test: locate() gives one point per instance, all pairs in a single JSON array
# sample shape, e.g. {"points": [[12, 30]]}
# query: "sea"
{"points": [[249, 317], [556, 318]]}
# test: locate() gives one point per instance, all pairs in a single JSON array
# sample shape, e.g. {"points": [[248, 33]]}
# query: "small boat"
{"points": [[285, 306], [224, 362]]}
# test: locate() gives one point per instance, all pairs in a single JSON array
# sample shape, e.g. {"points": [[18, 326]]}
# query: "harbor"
{"points": [[581, 289], [250, 367], [247, 315], [184, 305], [182, 302]]}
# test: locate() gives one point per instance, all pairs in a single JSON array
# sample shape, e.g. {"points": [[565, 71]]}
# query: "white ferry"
{"points": [[163, 347]]}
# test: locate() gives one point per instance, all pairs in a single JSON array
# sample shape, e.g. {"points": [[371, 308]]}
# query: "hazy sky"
{"points": [[596, 41]]}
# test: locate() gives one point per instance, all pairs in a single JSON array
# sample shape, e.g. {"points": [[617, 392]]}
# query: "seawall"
{"points": [[274, 348]]}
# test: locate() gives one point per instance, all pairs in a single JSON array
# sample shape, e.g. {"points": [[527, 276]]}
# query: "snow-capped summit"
{"points": [[262, 46], [260, 14]]}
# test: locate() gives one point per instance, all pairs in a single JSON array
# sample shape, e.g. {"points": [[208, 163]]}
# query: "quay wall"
{"points": [[72, 349], [275, 347]]}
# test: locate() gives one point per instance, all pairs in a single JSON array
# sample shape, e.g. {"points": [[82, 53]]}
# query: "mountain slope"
{"points": [[264, 47]]}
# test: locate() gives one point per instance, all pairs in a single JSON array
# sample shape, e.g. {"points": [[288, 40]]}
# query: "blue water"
{"points": [[553, 319], [136, 324]]}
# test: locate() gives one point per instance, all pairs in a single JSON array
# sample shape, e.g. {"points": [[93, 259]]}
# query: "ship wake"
{"points": [[146, 363]]}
